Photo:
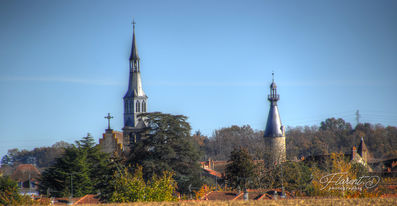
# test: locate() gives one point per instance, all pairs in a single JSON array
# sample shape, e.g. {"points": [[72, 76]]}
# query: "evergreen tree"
{"points": [[107, 177], [96, 161], [240, 168], [166, 145], [70, 174], [76, 172]]}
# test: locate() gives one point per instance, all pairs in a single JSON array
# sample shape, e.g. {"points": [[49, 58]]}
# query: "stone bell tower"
{"points": [[275, 132]]}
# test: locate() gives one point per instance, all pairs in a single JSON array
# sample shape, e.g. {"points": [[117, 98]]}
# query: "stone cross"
{"points": [[109, 117]]}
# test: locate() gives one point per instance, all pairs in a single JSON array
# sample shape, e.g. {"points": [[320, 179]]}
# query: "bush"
{"points": [[133, 188], [9, 194]]}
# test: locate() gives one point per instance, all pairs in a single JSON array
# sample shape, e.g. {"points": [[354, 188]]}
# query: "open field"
{"points": [[309, 201]]}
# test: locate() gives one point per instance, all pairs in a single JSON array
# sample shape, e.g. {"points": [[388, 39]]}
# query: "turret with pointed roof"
{"points": [[274, 132], [362, 150]]}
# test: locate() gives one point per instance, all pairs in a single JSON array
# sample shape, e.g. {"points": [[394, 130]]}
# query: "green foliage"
{"points": [[76, 172], [166, 145], [297, 177], [341, 179], [107, 175], [240, 168], [133, 188], [9, 193]]}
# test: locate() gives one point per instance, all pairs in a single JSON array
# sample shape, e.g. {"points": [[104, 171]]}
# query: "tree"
{"points": [[76, 172], [343, 173], [296, 177], [96, 160], [224, 140], [166, 145], [240, 168], [69, 174], [9, 194], [107, 177], [133, 188], [200, 141], [42, 157]]}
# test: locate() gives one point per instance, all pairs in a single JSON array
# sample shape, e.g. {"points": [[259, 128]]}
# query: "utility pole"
{"points": [[71, 188], [282, 182]]}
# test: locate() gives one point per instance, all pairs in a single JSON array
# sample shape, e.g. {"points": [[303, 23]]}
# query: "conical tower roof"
{"points": [[273, 126], [362, 147]]}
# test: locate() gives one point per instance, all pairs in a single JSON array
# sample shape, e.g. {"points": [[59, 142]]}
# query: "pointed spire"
{"points": [[362, 147], [135, 83], [363, 151], [134, 49]]}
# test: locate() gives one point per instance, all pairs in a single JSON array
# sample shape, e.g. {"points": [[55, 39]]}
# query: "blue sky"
{"points": [[64, 64]]}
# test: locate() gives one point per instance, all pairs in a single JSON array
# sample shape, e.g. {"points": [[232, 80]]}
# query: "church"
{"points": [[135, 103]]}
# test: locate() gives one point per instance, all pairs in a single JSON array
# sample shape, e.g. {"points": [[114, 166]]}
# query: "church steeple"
{"points": [[135, 99]]}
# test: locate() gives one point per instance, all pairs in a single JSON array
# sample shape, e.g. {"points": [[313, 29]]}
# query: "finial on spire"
{"points": [[272, 76], [133, 23]]}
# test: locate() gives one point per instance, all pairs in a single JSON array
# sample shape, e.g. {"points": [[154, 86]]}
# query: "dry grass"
{"points": [[308, 201]]}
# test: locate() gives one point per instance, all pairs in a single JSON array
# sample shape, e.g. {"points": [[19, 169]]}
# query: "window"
{"points": [[137, 106], [143, 106]]}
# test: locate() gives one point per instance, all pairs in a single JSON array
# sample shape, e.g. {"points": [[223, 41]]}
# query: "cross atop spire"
{"points": [[133, 24]]}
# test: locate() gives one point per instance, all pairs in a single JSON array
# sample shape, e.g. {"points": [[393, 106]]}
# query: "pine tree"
{"points": [[240, 168], [76, 172]]}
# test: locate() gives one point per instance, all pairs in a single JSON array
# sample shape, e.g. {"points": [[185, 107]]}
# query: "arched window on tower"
{"points": [[138, 108], [143, 106]]}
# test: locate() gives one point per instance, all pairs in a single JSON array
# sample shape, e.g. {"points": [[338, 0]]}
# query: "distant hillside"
{"points": [[332, 135]]}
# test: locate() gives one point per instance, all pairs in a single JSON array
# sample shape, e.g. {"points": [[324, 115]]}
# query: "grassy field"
{"points": [[311, 201]]}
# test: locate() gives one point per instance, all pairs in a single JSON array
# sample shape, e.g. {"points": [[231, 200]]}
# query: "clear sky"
{"points": [[64, 64]]}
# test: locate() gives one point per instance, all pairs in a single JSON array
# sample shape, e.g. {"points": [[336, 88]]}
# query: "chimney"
{"points": [[354, 152]]}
